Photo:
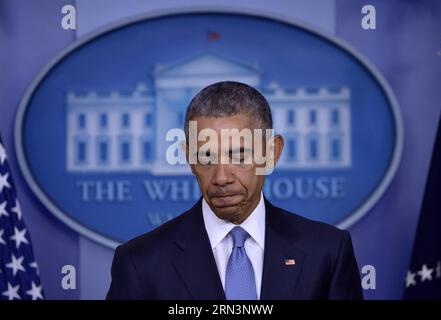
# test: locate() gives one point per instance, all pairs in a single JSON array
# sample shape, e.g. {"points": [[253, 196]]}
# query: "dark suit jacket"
{"points": [[175, 261]]}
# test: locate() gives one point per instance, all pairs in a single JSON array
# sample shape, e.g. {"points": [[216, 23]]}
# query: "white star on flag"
{"points": [[2, 154], [12, 292], [4, 181], [410, 279], [35, 266], [425, 273], [35, 291], [438, 269], [2, 241], [19, 237], [3, 211], [16, 264], [17, 209]]}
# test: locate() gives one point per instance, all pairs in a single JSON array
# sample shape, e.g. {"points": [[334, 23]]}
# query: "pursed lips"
{"points": [[226, 200]]}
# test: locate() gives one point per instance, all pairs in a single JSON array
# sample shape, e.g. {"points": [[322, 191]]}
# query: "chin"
{"points": [[228, 213]]}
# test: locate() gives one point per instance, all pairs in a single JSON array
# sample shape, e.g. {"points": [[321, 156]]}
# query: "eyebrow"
{"points": [[237, 150]]}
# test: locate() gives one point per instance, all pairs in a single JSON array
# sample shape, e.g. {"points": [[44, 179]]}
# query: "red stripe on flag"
{"points": [[213, 35]]}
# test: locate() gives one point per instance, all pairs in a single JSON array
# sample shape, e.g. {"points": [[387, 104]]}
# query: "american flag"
{"points": [[19, 275], [213, 35], [423, 279]]}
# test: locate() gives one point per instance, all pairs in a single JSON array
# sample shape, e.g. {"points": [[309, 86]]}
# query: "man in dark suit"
{"points": [[233, 243]]}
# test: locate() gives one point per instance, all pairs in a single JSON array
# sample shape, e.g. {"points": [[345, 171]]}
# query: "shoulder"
{"points": [[156, 240], [307, 230]]}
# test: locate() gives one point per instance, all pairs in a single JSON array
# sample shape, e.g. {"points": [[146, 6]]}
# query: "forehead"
{"points": [[237, 121], [242, 132]]}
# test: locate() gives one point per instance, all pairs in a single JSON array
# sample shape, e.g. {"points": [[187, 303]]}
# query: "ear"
{"points": [[273, 151], [278, 147], [185, 147]]}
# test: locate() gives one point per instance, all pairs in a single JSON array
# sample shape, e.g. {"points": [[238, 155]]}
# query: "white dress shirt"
{"points": [[222, 243]]}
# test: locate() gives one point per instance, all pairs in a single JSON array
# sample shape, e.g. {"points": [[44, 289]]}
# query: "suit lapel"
{"points": [[282, 262], [196, 265]]}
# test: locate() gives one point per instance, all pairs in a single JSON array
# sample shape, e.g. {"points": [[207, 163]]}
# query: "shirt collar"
{"points": [[218, 229]]}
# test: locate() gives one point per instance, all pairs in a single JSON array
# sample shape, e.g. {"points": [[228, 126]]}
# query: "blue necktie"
{"points": [[240, 283]]}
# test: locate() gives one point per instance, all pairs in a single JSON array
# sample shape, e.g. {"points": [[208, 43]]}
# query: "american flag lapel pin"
{"points": [[290, 262]]}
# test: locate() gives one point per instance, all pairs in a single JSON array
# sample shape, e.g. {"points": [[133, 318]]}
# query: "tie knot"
{"points": [[239, 236]]}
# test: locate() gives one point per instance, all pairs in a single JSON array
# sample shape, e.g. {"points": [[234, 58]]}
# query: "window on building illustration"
{"points": [[125, 120], [103, 147], [313, 151], [147, 150], [336, 147], [335, 117], [312, 117], [125, 151], [81, 121], [148, 119], [292, 149], [81, 151], [103, 121], [291, 117]]}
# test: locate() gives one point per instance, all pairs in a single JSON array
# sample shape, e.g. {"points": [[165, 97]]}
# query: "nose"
{"points": [[222, 175]]}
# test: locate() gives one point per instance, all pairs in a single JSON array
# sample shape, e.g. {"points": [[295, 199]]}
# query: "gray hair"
{"points": [[228, 98]]}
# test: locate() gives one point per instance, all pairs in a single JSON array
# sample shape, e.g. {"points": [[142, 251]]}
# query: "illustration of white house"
{"points": [[125, 131]]}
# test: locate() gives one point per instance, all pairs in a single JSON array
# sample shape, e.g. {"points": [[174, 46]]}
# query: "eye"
{"points": [[238, 156], [206, 158], [241, 156]]}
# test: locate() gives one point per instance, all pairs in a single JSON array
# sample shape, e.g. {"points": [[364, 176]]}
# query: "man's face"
{"points": [[232, 190]]}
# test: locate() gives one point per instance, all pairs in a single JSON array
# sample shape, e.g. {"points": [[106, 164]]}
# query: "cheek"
{"points": [[204, 182], [203, 175], [248, 178]]}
